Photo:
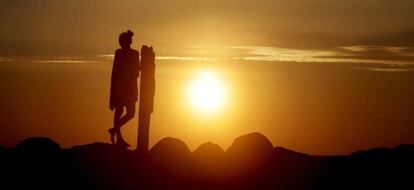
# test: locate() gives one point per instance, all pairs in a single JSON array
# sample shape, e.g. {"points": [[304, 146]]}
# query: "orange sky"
{"points": [[316, 108], [316, 76]]}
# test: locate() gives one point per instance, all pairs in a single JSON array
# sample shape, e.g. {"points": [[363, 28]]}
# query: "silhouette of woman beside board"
{"points": [[124, 89]]}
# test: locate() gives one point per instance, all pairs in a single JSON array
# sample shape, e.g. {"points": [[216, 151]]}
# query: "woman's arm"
{"points": [[114, 76]]}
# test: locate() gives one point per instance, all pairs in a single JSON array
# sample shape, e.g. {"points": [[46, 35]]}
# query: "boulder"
{"points": [[208, 159], [249, 154], [38, 146], [171, 155]]}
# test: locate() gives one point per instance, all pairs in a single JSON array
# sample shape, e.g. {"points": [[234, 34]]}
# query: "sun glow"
{"points": [[206, 92]]}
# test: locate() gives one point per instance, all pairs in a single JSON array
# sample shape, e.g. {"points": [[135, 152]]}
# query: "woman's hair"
{"points": [[125, 39]]}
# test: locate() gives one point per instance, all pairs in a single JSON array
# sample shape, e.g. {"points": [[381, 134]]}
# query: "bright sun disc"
{"points": [[206, 92]]}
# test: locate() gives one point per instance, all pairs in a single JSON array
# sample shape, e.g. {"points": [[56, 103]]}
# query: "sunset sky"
{"points": [[316, 76]]}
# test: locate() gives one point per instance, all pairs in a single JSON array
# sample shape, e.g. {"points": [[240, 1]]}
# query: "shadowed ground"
{"points": [[251, 162]]}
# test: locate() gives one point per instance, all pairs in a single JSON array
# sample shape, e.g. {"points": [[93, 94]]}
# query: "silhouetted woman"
{"points": [[124, 90]]}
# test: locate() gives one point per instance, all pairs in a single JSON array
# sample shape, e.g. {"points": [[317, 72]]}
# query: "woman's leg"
{"points": [[117, 121], [130, 113]]}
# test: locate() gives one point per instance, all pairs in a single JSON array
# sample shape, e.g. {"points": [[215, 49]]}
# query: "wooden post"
{"points": [[146, 97]]}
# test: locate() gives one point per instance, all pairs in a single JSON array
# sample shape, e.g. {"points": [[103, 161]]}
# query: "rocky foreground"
{"points": [[251, 162]]}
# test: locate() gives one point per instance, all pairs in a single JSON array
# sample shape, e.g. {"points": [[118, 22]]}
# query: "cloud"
{"points": [[392, 51], [378, 69], [390, 55], [361, 54], [179, 58], [183, 58], [5, 59], [62, 61], [350, 54], [399, 54]]}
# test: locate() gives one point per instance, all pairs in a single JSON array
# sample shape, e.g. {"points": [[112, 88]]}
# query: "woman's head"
{"points": [[125, 39]]}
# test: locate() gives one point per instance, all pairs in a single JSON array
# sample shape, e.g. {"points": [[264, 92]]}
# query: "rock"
{"points": [[38, 145], [249, 154], [97, 148], [283, 154], [171, 155], [208, 159]]}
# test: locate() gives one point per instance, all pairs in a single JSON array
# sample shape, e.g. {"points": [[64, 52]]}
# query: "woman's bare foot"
{"points": [[122, 143], [112, 133]]}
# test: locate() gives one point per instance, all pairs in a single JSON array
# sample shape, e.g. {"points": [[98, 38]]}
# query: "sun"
{"points": [[206, 92]]}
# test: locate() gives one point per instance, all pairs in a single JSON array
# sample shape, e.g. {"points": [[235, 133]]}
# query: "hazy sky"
{"points": [[317, 76], [83, 26]]}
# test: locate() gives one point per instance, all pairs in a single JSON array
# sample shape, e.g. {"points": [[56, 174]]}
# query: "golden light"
{"points": [[206, 92]]}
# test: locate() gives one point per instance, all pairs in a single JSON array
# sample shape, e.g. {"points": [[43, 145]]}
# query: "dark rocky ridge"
{"points": [[251, 162]]}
